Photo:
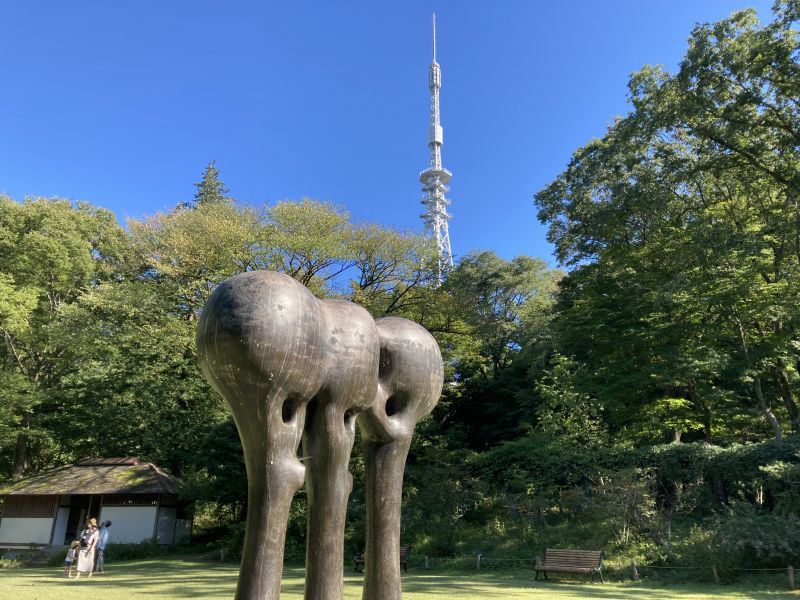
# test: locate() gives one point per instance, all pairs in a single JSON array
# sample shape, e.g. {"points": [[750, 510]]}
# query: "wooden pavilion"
{"points": [[50, 508]]}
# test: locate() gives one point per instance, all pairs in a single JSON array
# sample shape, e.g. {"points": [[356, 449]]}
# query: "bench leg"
{"points": [[601, 576], [537, 576]]}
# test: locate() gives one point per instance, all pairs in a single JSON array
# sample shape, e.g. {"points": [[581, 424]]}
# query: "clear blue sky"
{"points": [[123, 104]]}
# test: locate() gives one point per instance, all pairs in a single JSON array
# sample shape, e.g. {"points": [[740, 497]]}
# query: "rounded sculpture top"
{"points": [[269, 346], [410, 379], [261, 334]]}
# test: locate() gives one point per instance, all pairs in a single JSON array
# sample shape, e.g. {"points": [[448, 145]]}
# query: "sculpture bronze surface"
{"points": [[293, 368]]}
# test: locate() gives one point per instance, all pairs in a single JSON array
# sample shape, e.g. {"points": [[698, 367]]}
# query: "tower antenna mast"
{"points": [[435, 178], [434, 37]]}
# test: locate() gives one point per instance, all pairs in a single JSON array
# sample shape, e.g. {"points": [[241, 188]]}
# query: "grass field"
{"points": [[175, 579]]}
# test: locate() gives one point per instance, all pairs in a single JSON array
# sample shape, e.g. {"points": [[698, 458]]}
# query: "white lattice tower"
{"points": [[436, 178]]}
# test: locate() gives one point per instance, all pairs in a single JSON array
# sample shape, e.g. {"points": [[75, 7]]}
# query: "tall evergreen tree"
{"points": [[211, 189]]}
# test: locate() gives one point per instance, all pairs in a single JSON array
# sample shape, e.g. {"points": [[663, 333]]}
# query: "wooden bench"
{"points": [[571, 561], [358, 561]]}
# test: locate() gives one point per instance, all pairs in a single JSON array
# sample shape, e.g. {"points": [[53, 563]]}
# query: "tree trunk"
{"points": [[21, 448], [779, 374], [772, 420], [762, 404], [720, 493], [702, 407]]}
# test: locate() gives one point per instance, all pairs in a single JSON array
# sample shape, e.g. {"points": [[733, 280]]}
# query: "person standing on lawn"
{"points": [[74, 548], [88, 544], [102, 542]]}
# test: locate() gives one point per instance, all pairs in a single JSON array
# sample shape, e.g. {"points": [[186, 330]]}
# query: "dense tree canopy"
{"points": [[51, 254], [98, 322], [681, 224]]}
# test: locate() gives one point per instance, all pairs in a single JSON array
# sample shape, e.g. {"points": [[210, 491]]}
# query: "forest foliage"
{"points": [[642, 400]]}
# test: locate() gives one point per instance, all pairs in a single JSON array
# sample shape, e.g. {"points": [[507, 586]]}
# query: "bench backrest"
{"points": [[588, 559], [404, 550]]}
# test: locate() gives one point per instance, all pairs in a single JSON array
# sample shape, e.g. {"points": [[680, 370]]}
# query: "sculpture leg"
{"points": [[260, 344], [385, 464], [328, 441], [273, 476], [270, 492], [328, 437], [410, 382]]}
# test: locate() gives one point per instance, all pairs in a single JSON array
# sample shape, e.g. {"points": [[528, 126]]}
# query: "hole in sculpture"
{"points": [[289, 409], [392, 406], [350, 419], [312, 408]]}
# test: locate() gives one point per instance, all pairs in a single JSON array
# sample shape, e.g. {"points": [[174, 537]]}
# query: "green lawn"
{"points": [[176, 579]]}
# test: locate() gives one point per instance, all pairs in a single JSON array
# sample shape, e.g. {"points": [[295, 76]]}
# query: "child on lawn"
{"points": [[73, 550]]}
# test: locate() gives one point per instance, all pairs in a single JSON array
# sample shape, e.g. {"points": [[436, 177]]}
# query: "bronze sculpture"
{"points": [[295, 368]]}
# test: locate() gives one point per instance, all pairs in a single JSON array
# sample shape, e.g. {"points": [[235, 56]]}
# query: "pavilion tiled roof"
{"points": [[96, 476]]}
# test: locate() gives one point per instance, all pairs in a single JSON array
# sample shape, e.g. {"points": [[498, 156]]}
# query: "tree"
{"points": [[497, 343], [681, 227], [191, 251], [390, 269], [211, 189], [495, 295], [310, 241], [131, 382], [51, 253], [567, 415]]}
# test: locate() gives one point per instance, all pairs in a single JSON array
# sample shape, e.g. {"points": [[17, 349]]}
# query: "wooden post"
{"points": [[634, 571], [478, 562], [53, 526], [427, 566], [716, 574], [790, 570], [155, 525]]}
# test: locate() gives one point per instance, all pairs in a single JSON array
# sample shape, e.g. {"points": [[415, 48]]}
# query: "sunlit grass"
{"points": [[176, 579]]}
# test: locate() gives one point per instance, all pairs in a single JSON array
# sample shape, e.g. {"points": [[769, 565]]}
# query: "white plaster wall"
{"points": [[18, 530], [129, 524], [61, 525]]}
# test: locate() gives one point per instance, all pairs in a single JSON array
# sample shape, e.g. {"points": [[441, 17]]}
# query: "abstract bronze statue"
{"points": [[293, 368]]}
